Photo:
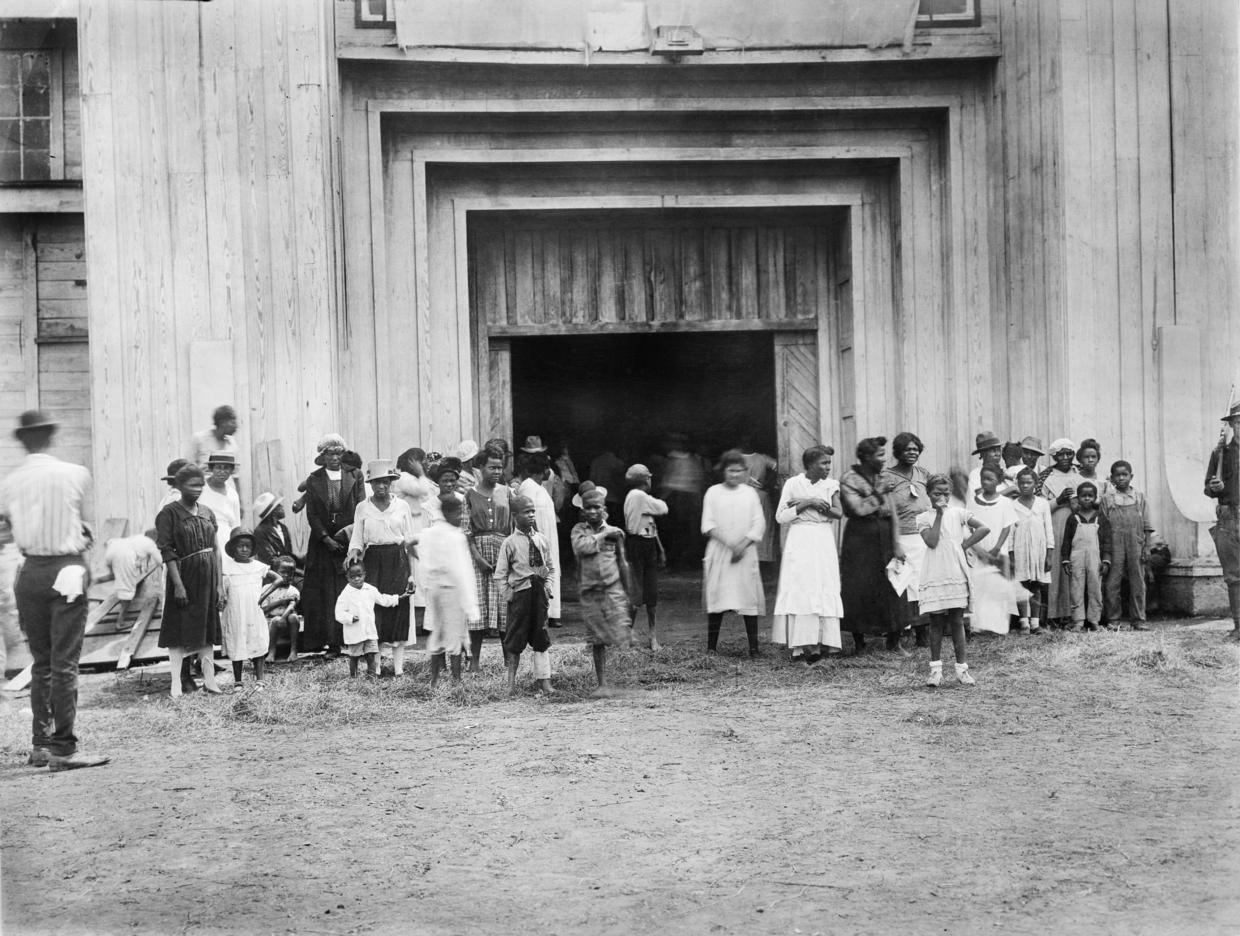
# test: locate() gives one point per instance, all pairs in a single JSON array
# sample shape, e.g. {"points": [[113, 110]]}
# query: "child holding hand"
{"points": [[943, 584], [355, 611]]}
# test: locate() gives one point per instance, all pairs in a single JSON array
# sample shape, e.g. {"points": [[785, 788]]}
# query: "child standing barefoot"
{"points": [[1086, 556], [524, 569], [944, 581], [599, 548], [1125, 510], [242, 621], [355, 610], [1033, 547], [448, 576]]}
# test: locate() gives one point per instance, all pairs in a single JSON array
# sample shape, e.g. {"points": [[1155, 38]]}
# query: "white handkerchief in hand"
{"points": [[71, 582], [899, 573]]}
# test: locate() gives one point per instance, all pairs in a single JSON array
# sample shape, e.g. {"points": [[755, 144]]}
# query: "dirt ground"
{"points": [[1087, 784]]}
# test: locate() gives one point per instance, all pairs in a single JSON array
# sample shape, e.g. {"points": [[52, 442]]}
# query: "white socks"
{"points": [[398, 659], [961, 668]]}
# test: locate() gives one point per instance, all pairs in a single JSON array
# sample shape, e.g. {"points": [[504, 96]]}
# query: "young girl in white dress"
{"points": [[1033, 548], [808, 607], [243, 622], [733, 524], [944, 581]]}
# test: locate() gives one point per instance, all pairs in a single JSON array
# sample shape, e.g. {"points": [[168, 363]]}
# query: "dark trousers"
{"points": [[527, 621], [54, 628]]}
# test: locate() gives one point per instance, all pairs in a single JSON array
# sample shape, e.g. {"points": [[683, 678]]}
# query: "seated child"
{"points": [[279, 603], [523, 570], [451, 593], [355, 611], [242, 621], [1087, 551], [1125, 510], [598, 547]]}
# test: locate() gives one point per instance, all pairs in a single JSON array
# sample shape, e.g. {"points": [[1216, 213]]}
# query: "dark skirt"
{"points": [[197, 625], [869, 601], [387, 569], [324, 581]]}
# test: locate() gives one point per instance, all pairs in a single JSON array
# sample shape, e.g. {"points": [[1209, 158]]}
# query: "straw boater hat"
{"points": [[984, 441], [1061, 445], [1232, 413], [238, 533], [380, 469], [222, 458], [33, 421], [264, 504], [533, 444], [173, 467], [1033, 444], [587, 487]]}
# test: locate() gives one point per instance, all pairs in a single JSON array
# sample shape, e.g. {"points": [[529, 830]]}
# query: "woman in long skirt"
{"points": [[870, 537], [332, 495], [382, 540], [488, 520], [808, 606], [185, 533]]}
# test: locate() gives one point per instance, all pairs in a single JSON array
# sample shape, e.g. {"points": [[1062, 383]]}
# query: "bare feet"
{"points": [[544, 685]]}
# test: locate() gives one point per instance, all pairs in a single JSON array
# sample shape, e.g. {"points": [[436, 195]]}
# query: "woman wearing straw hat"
{"points": [[333, 492], [383, 539]]}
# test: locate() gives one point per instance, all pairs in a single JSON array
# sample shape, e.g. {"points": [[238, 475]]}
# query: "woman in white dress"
{"points": [[733, 524], [534, 468], [808, 606]]}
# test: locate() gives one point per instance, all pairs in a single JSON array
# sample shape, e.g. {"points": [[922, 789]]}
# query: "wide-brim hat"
{"points": [[986, 440], [238, 533], [222, 458], [1033, 444], [173, 467], [1232, 413], [380, 469], [587, 487], [33, 421], [265, 503], [533, 444]]}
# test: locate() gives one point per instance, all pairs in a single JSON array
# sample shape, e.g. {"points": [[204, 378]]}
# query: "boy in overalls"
{"points": [[1087, 556], [1125, 510]]}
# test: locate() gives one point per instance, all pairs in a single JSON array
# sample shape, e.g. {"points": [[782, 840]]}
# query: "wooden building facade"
{"points": [[386, 217]]}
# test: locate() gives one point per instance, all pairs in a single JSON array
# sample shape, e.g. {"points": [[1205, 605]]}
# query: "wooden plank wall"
{"points": [[644, 268], [59, 243], [207, 155], [18, 352], [1119, 158]]}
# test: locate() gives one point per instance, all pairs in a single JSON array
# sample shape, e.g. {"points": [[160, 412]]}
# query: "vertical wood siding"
{"points": [[207, 138]]}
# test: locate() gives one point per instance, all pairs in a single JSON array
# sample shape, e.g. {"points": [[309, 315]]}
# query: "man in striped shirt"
{"points": [[44, 499]]}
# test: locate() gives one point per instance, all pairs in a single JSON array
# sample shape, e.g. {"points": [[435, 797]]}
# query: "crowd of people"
{"points": [[469, 544]]}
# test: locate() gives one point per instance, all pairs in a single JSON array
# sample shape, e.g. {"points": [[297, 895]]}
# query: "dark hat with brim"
{"points": [[222, 458], [1232, 413], [986, 440], [34, 421], [173, 467], [238, 534]]}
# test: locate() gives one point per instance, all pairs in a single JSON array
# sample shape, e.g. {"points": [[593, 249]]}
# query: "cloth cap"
{"points": [[533, 444], [984, 441], [1033, 444], [446, 464], [331, 441], [1060, 445], [264, 504], [637, 473], [32, 421], [380, 469], [238, 534], [590, 498]]}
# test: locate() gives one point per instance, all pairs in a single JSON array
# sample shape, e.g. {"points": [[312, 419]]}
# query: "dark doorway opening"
{"points": [[627, 392]]}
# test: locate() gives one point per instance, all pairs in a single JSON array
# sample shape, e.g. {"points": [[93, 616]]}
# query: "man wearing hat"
{"points": [[271, 536], [989, 448], [1223, 484], [1031, 452], [45, 501]]}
